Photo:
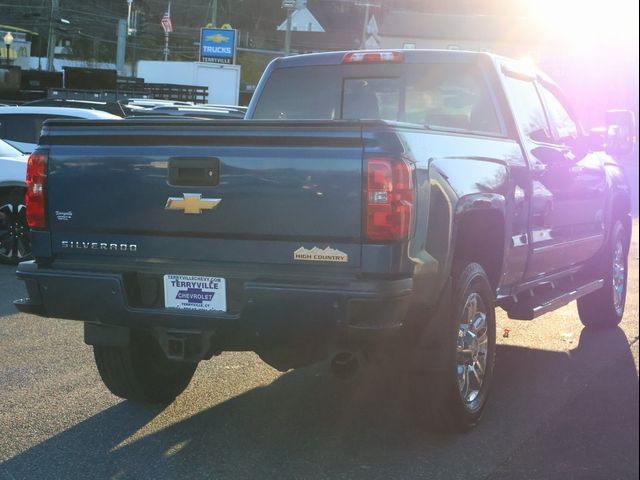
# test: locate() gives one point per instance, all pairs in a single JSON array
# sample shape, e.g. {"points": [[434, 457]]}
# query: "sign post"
{"points": [[218, 45], [167, 26]]}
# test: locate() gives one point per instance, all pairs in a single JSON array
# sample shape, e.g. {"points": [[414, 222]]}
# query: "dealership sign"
{"points": [[218, 45]]}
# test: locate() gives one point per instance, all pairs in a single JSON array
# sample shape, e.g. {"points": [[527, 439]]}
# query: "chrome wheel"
{"points": [[618, 278], [472, 349], [14, 233]]}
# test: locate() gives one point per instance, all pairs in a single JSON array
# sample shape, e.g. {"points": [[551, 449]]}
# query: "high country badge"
{"points": [[319, 255]]}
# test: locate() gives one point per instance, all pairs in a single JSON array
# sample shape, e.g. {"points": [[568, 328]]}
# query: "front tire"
{"points": [[15, 243], [604, 308], [141, 372], [453, 400]]}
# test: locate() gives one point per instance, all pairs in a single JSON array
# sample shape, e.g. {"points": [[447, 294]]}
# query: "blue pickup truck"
{"points": [[372, 205]]}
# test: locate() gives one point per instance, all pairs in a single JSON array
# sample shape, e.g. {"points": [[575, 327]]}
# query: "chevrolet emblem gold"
{"points": [[191, 203]]}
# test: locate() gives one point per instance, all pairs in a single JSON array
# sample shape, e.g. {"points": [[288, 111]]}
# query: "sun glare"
{"points": [[584, 24]]}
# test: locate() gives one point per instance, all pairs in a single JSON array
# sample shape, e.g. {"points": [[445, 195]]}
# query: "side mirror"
{"points": [[620, 135], [598, 139], [550, 156]]}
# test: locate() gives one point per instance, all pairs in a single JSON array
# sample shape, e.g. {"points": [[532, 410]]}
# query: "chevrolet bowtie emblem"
{"points": [[192, 203]]}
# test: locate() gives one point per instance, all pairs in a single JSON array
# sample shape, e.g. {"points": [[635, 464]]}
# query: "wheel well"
{"points": [[480, 239], [13, 189], [620, 211]]}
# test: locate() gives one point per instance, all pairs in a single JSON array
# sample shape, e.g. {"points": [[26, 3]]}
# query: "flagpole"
{"points": [[166, 36]]}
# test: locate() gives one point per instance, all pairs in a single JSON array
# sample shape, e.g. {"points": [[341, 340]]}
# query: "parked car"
{"points": [[374, 205], [219, 112], [14, 231], [140, 106], [143, 107], [20, 126], [114, 108]]}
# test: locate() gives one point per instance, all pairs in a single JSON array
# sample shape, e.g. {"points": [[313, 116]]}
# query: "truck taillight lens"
{"points": [[36, 180], [373, 57], [389, 198]]}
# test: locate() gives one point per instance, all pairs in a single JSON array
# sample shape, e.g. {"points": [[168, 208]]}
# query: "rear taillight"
{"points": [[373, 57], [36, 180], [389, 199]]}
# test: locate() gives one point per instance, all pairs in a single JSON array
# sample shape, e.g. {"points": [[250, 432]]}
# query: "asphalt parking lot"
{"points": [[564, 406]]}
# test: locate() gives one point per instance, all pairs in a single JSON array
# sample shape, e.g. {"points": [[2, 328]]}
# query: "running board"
{"points": [[530, 308]]}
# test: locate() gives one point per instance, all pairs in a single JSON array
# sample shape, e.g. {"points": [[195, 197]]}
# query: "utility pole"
{"points": [[134, 68], [290, 6], [121, 45], [167, 29], [129, 5], [214, 13], [52, 35], [133, 31]]}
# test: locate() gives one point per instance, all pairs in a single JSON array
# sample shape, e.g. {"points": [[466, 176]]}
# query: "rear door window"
{"points": [[21, 128], [24, 128]]}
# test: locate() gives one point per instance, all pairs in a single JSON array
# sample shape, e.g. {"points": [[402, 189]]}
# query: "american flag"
{"points": [[167, 24]]}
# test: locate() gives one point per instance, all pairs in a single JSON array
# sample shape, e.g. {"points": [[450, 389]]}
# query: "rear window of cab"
{"points": [[449, 95]]}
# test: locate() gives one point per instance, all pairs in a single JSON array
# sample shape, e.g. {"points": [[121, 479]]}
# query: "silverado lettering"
{"points": [[120, 247], [377, 205]]}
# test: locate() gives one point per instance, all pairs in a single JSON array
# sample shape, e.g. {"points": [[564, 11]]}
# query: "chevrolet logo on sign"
{"points": [[217, 38], [192, 203]]}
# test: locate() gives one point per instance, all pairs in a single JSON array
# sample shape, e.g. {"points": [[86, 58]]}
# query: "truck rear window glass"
{"points": [[309, 93], [371, 98], [439, 95]]}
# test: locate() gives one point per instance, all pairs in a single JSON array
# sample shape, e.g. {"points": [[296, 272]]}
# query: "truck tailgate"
{"points": [[222, 191]]}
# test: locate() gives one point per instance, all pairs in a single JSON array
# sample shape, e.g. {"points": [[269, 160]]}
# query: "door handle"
{"points": [[194, 171]]}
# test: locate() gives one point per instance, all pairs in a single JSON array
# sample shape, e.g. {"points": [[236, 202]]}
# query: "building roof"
{"points": [[303, 20], [448, 26]]}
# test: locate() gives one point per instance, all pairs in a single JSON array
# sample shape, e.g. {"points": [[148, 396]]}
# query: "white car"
{"points": [[19, 131], [20, 126], [14, 239]]}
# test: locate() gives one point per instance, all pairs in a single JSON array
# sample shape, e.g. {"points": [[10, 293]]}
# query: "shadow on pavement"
{"points": [[10, 289], [305, 425]]}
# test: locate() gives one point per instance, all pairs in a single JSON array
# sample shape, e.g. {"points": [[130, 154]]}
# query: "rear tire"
{"points": [[453, 400], [15, 242], [141, 372], [604, 308]]}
